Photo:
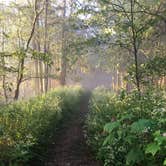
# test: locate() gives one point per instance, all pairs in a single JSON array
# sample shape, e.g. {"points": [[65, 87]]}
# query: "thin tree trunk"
{"points": [[41, 77], [37, 83], [113, 82], [63, 60], [36, 69], [134, 42], [40, 63], [4, 80], [3, 64], [22, 61], [46, 45], [118, 79]]}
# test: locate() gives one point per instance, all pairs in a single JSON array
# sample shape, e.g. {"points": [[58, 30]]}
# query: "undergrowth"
{"points": [[26, 127], [126, 129]]}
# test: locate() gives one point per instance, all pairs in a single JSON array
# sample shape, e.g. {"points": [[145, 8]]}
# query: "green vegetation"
{"points": [[27, 126], [127, 129], [118, 44]]}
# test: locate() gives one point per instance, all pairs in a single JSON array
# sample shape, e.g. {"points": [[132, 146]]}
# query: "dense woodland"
{"points": [[53, 51]]}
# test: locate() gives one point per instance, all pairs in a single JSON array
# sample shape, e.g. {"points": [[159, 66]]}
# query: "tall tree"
{"points": [[46, 43], [64, 56], [23, 55]]}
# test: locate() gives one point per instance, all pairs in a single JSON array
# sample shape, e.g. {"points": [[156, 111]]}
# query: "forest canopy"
{"points": [[44, 42]]}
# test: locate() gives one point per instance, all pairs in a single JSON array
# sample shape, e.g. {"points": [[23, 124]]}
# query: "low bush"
{"points": [[127, 129], [28, 125]]}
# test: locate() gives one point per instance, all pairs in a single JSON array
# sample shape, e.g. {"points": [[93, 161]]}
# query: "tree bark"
{"points": [[3, 65], [135, 49], [46, 45], [40, 63], [22, 60], [63, 59], [36, 69]]}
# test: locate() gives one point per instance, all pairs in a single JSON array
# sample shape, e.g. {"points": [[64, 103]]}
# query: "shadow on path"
{"points": [[70, 148]]}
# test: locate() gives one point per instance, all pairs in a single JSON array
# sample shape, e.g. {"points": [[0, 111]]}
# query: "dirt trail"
{"points": [[70, 148]]}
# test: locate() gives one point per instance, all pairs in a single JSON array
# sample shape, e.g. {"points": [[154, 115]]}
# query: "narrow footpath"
{"points": [[70, 148]]}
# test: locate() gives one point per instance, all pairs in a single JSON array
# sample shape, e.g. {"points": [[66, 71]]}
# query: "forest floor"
{"points": [[70, 148]]}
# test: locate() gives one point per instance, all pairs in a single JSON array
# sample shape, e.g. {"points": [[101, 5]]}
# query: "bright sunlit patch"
{"points": [[9, 1]]}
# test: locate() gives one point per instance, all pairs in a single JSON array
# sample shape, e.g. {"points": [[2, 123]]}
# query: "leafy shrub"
{"points": [[28, 124], [126, 129]]}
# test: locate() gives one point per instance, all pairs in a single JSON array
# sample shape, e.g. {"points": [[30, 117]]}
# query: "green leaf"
{"points": [[160, 139], [141, 125], [135, 155], [108, 140], [127, 117], [109, 127], [164, 162], [152, 148], [130, 138]]}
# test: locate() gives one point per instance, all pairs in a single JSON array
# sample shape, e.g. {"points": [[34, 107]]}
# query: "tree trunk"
{"points": [[46, 45], [36, 70], [19, 78], [63, 59], [37, 82], [40, 64], [22, 60], [3, 64], [135, 49], [4, 81]]}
